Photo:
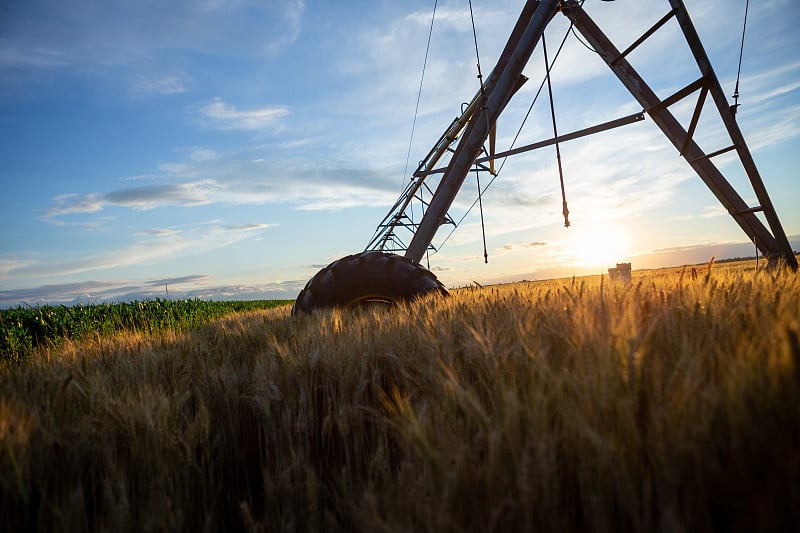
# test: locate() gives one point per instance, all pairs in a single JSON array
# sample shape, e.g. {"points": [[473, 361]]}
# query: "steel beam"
{"points": [[646, 35], [611, 124], [783, 249]]}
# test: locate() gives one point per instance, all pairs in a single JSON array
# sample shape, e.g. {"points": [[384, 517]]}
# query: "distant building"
{"points": [[621, 273]]}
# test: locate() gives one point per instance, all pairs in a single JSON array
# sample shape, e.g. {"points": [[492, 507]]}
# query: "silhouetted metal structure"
{"points": [[470, 130]]}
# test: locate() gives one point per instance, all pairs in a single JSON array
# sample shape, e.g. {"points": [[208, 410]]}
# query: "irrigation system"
{"points": [[389, 269]]}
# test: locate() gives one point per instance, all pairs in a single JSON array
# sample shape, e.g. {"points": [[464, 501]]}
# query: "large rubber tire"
{"points": [[367, 278]]}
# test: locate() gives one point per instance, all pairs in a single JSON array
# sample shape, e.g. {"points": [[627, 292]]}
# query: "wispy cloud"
{"points": [[156, 246], [55, 293], [152, 196], [202, 154], [178, 281], [224, 116], [291, 17], [196, 286], [9, 264], [67, 204], [511, 248], [239, 178], [95, 291], [138, 198], [167, 85], [156, 232], [248, 227], [714, 211]]}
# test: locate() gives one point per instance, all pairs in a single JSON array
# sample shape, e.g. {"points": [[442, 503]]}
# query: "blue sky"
{"points": [[229, 149]]}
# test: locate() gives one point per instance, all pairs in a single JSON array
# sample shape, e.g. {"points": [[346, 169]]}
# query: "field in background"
{"points": [[671, 403], [23, 330]]}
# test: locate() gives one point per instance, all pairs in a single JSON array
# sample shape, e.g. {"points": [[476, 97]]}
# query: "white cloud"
{"points": [[9, 264], [227, 117], [196, 286], [67, 204], [139, 198], [169, 84], [770, 83], [713, 211], [170, 168], [243, 228], [203, 154], [239, 178], [157, 232], [164, 245], [512, 248]]}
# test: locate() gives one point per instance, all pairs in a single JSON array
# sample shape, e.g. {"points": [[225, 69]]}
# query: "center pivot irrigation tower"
{"points": [[380, 274]]}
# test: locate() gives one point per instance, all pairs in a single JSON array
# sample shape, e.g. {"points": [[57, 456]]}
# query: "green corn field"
{"points": [[23, 329]]}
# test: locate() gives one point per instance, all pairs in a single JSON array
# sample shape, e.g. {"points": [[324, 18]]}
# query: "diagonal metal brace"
{"points": [[773, 246]]}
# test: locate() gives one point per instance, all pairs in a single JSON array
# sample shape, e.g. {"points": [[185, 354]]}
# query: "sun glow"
{"points": [[597, 244]]}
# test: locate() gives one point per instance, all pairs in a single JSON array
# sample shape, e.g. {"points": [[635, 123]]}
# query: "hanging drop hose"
{"points": [[480, 205], [488, 128], [735, 105], [419, 92], [513, 142], [480, 74], [564, 210]]}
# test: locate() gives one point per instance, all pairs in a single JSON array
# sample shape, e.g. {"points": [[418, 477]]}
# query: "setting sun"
{"points": [[598, 244]]}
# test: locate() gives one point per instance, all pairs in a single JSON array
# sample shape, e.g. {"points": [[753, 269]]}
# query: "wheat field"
{"points": [[671, 403]]}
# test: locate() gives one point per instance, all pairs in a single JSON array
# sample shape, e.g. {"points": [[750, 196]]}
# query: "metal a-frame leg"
{"points": [[775, 246], [500, 86]]}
